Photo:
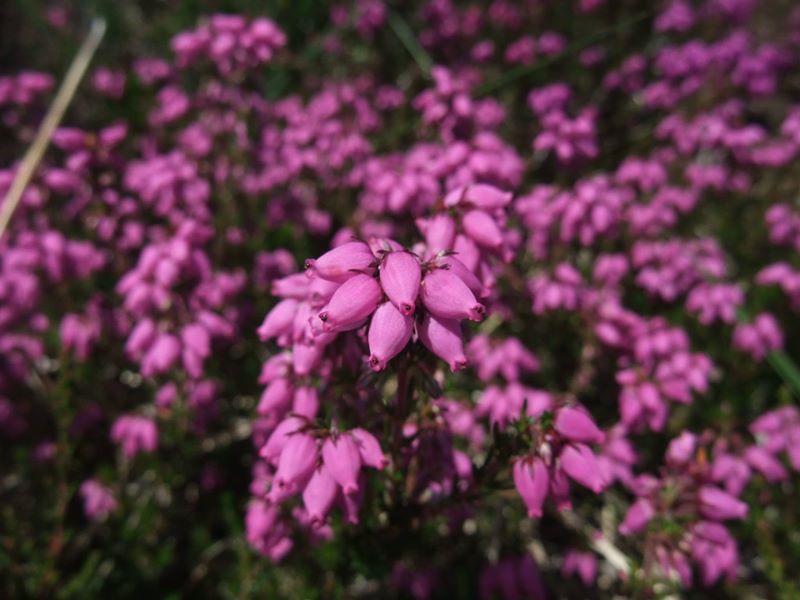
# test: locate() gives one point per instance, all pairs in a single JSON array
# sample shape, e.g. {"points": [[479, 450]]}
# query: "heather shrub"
{"points": [[433, 299]]}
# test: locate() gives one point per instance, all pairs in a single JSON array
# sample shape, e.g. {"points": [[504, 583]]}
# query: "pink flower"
{"points": [[305, 402], [637, 517], [98, 500], [369, 449], [343, 262], [443, 338], [400, 279], [161, 356], [580, 463], [759, 338], [718, 505], [681, 450], [458, 268], [446, 296], [582, 563], [276, 397], [343, 460], [389, 332], [279, 320], [351, 304], [483, 229], [766, 464], [319, 494], [532, 480], [135, 434], [439, 232], [272, 449], [575, 424], [298, 458]]}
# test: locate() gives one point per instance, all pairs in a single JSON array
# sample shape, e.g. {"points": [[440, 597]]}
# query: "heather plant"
{"points": [[422, 300]]}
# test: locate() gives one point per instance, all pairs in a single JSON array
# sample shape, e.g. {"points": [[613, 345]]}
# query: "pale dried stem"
{"points": [[51, 121], [599, 543]]}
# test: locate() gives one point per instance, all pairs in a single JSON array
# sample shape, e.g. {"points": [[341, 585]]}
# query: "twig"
{"points": [[51, 120]]}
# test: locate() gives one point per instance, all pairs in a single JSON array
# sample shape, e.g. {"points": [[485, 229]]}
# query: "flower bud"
{"points": [[681, 449], [297, 461], [305, 357], [351, 304], [320, 291], [319, 495], [369, 449], [343, 262], [448, 297], [276, 396], [443, 338], [575, 424], [532, 481], [389, 332], [637, 517], [272, 449], [196, 338], [467, 252], [580, 463], [719, 506], [455, 266], [306, 402], [483, 229], [292, 286], [343, 461], [161, 356], [765, 463], [352, 503], [278, 320], [141, 338], [400, 278], [275, 366], [481, 195], [439, 232], [559, 490]]}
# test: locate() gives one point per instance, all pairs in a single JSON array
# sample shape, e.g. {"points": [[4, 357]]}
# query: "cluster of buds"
{"points": [[662, 369], [715, 302], [784, 225], [321, 465], [686, 493], [759, 337], [231, 42], [572, 139], [135, 434], [408, 296], [560, 451], [168, 276], [398, 293]]}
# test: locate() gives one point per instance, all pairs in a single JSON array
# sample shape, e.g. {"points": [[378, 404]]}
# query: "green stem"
{"points": [[406, 36], [786, 368]]}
